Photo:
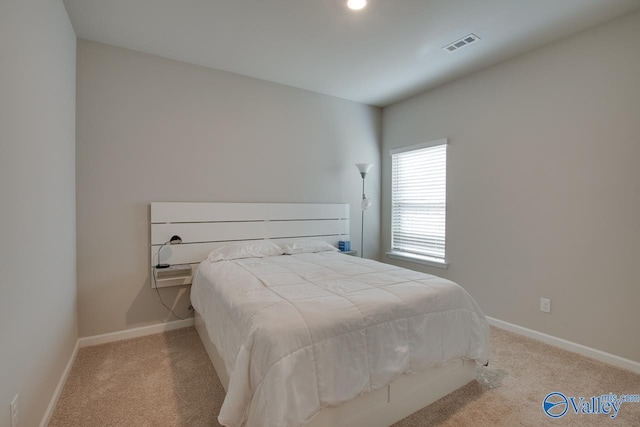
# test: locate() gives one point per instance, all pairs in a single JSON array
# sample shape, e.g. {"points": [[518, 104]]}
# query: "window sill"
{"points": [[404, 256]]}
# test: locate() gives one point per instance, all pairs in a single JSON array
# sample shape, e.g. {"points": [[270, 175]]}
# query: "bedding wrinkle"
{"points": [[349, 326], [363, 326], [314, 356]]}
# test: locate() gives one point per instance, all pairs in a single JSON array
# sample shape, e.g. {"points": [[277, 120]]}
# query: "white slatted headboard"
{"points": [[205, 226]]}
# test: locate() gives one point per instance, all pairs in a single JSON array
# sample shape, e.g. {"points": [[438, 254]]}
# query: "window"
{"points": [[419, 203]]}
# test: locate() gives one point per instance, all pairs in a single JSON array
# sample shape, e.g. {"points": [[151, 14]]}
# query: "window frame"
{"points": [[407, 256]]}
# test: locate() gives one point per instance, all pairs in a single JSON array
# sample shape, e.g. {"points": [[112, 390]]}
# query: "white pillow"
{"points": [[237, 250], [305, 246]]}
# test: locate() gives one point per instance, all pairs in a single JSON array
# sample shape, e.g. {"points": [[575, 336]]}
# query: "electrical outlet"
{"points": [[545, 305], [15, 413]]}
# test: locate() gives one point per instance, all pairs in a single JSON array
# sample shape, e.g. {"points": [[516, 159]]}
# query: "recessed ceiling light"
{"points": [[356, 4]]}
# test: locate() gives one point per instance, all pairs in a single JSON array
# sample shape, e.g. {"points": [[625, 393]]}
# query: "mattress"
{"points": [[298, 333]]}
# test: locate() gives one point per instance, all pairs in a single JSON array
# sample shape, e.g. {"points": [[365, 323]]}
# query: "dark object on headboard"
{"points": [[174, 240]]}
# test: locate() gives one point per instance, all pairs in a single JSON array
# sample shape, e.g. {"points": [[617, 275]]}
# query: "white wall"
{"points": [[37, 187], [543, 184], [153, 129]]}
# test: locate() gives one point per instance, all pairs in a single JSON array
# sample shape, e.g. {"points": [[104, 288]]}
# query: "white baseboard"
{"points": [[135, 332], [602, 356], [56, 393]]}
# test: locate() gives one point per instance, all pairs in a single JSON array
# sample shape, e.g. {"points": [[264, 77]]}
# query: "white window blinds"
{"points": [[419, 200]]}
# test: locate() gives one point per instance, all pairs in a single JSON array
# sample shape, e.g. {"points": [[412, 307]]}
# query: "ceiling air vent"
{"points": [[459, 44]]}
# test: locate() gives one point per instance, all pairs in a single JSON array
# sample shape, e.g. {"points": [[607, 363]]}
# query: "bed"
{"points": [[318, 338]]}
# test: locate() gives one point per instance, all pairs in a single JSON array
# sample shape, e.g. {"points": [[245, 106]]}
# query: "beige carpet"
{"points": [[157, 380], [167, 380]]}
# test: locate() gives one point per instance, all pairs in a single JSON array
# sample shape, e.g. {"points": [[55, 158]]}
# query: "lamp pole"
{"points": [[364, 168], [362, 220]]}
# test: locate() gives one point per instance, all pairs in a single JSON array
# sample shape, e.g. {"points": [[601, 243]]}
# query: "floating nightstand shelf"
{"points": [[352, 253], [174, 275]]}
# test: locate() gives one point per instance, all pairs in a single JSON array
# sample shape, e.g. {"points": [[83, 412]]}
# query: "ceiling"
{"points": [[384, 53]]}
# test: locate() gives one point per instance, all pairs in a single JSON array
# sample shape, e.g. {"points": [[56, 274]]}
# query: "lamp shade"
{"points": [[364, 168]]}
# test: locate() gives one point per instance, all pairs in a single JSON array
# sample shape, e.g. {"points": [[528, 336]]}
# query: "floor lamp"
{"points": [[365, 204]]}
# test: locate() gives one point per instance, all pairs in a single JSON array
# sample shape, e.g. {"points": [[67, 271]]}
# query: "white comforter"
{"points": [[301, 332]]}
